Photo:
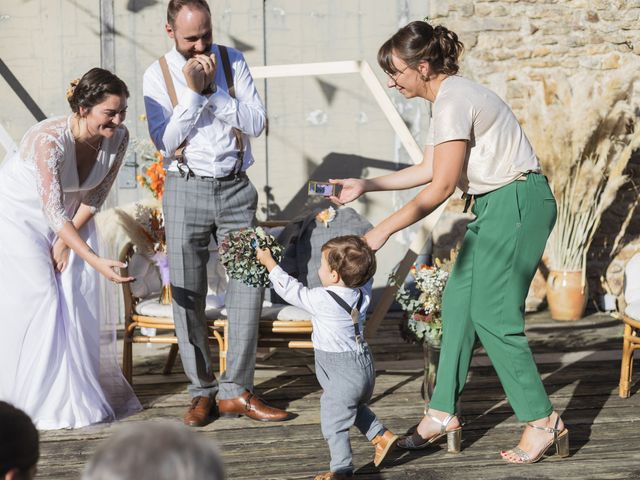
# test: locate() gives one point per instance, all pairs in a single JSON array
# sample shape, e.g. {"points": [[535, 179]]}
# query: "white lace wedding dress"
{"points": [[57, 347]]}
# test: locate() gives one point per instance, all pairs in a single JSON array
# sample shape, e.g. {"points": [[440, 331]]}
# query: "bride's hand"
{"points": [[60, 255], [352, 188], [106, 267]]}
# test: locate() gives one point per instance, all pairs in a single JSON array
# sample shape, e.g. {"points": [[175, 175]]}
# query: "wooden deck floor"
{"points": [[579, 362]]}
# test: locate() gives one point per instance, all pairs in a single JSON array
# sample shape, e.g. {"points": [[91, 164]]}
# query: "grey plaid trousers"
{"points": [[194, 209], [347, 380]]}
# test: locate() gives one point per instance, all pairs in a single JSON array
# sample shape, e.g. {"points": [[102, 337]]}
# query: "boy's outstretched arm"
{"points": [[264, 257], [290, 289]]}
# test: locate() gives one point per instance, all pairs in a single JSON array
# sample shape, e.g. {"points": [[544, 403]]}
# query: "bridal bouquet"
{"points": [[238, 255]]}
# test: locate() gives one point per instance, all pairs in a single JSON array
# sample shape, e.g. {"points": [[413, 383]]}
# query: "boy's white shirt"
{"points": [[332, 326]]}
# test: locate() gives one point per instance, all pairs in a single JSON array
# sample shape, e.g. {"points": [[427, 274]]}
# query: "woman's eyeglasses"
{"points": [[394, 76]]}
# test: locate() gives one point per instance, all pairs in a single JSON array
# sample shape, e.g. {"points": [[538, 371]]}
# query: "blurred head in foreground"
{"points": [[155, 451], [19, 449]]}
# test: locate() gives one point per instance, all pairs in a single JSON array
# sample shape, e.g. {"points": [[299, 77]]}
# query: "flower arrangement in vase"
{"points": [[422, 302]]}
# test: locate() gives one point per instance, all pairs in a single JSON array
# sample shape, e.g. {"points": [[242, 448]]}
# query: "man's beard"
{"points": [[187, 54]]}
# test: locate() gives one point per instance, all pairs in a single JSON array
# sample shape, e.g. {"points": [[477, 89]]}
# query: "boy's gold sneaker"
{"points": [[384, 444]]}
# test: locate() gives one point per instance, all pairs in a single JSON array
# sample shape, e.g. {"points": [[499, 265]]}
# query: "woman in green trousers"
{"points": [[475, 143]]}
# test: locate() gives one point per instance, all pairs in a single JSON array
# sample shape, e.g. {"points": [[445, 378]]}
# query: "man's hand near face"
{"points": [[208, 63], [194, 74]]}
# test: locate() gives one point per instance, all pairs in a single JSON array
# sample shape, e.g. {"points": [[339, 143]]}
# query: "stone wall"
{"points": [[512, 46]]}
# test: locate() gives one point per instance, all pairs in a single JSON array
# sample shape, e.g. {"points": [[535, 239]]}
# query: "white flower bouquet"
{"points": [[422, 302]]}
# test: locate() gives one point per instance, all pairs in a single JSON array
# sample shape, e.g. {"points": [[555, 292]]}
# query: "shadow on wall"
{"points": [[136, 6], [448, 235], [334, 165]]}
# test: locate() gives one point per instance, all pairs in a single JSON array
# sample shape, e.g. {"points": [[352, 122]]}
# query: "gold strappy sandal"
{"points": [[560, 440], [416, 442]]}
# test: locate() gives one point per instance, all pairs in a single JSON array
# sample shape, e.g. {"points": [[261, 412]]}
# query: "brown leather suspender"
{"points": [[174, 101], [228, 74]]}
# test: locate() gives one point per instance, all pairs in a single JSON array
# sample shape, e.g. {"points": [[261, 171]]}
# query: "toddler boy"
{"points": [[344, 365]]}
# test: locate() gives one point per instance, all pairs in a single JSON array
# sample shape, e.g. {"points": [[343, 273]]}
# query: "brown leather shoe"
{"points": [[250, 405], [200, 412], [333, 476], [384, 444]]}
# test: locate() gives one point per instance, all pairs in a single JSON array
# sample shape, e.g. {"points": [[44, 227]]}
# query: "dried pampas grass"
{"points": [[584, 133], [141, 239], [112, 230]]}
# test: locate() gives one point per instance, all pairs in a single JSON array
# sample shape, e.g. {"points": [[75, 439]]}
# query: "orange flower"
{"points": [[153, 176]]}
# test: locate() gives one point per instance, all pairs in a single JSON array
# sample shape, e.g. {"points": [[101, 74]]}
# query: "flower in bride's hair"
{"points": [[72, 87]]}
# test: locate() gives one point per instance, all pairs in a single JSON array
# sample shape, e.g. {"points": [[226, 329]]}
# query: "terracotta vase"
{"points": [[566, 295], [165, 295]]}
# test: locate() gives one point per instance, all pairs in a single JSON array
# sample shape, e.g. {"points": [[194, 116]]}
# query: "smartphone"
{"points": [[324, 189]]}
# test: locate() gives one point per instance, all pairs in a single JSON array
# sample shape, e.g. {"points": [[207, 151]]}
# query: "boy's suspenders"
{"points": [[353, 311], [228, 75]]}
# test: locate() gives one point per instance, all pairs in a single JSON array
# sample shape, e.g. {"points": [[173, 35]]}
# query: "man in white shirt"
{"points": [[202, 128]]}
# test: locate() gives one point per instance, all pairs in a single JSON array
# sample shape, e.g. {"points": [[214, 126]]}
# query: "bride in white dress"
{"points": [[57, 355]]}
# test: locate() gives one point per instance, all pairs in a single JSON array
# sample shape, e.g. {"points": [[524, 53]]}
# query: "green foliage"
{"points": [[238, 255], [423, 302]]}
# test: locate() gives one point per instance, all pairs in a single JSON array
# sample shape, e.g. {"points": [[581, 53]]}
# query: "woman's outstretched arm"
{"points": [[448, 161], [408, 177]]}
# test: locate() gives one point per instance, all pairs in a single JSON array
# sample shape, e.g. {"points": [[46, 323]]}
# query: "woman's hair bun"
{"points": [[93, 88]]}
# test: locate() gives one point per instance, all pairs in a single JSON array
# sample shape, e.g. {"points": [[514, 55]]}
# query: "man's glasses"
{"points": [[394, 76]]}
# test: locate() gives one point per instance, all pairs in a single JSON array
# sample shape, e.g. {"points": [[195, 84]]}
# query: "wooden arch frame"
{"points": [[407, 140]]}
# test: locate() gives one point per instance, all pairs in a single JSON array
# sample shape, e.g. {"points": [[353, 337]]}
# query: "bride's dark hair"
{"points": [[419, 41], [93, 88]]}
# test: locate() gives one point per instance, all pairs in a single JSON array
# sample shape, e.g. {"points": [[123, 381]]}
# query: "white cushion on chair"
{"points": [[633, 310], [215, 301], [213, 313], [279, 311], [150, 307]]}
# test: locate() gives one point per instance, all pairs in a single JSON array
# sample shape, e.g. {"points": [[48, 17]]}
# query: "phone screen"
{"points": [[324, 189]]}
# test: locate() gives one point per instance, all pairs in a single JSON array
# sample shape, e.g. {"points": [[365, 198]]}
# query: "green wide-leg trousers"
{"points": [[486, 291]]}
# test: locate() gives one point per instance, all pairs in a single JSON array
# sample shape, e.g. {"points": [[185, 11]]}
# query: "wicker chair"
{"points": [[631, 319], [280, 325]]}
